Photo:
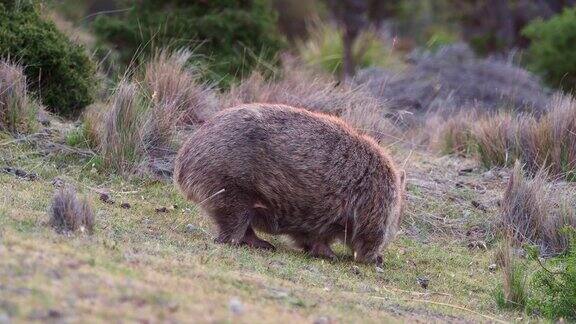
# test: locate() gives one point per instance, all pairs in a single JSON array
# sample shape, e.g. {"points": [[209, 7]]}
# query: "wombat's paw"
{"points": [[257, 243], [379, 260], [224, 240], [321, 250]]}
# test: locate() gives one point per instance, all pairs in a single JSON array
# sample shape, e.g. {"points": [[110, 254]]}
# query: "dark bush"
{"points": [[552, 51], [59, 71], [231, 36]]}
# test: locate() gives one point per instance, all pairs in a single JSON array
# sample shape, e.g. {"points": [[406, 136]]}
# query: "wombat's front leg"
{"points": [[232, 225], [317, 249]]}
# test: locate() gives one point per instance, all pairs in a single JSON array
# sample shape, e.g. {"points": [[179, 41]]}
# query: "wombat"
{"points": [[284, 170]]}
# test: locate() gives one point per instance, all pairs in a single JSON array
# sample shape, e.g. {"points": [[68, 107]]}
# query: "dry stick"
{"points": [[451, 306]]}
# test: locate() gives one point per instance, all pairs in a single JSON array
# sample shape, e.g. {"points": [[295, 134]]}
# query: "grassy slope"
{"points": [[141, 264]]}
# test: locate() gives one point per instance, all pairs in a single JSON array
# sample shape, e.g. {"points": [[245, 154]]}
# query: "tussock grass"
{"points": [[529, 212], [144, 117], [547, 142], [513, 291], [18, 111], [70, 214]]}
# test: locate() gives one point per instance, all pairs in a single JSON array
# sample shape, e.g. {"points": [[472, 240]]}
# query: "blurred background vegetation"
{"points": [[230, 38]]}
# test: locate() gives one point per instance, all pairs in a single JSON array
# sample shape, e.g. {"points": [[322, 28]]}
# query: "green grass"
{"points": [[141, 265]]}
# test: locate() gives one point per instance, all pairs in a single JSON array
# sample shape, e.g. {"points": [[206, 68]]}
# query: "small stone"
{"points": [[379, 270], [236, 306], [191, 228], [492, 267], [322, 320], [161, 210], [423, 282], [356, 270], [126, 205]]}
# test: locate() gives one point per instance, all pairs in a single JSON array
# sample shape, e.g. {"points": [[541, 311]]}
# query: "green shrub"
{"points": [[552, 51], [555, 286], [231, 36], [57, 70]]}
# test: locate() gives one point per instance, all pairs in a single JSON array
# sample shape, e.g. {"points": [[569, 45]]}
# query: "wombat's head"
{"points": [[368, 248]]}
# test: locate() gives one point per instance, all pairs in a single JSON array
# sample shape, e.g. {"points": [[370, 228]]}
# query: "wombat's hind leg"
{"points": [[252, 240]]}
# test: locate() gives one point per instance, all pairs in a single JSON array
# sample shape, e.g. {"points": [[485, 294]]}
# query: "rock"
{"points": [[126, 205], [236, 306], [161, 210], [356, 270], [379, 270], [492, 267], [423, 282]]}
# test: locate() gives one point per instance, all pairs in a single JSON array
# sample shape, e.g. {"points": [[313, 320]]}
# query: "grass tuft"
{"points": [[529, 214], [18, 111], [69, 214]]}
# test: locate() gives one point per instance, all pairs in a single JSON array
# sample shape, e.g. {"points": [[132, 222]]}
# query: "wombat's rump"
{"points": [[284, 170]]}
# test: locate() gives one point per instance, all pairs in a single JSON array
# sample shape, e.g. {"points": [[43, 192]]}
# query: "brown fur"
{"points": [[284, 170]]}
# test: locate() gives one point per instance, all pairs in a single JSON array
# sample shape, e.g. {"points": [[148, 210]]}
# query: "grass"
{"points": [[324, 49], [17, 109], [144, 265], [547, 142]]}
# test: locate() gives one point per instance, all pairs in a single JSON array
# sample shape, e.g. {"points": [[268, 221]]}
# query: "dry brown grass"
{"points": [[548, 142], [317, 92], [18, 111], [142, 122], [513, 292], [69, 214], [533, 212]]}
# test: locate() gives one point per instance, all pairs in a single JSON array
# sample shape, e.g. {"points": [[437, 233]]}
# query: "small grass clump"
{"points": [[69, 214], [17, 110]]}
